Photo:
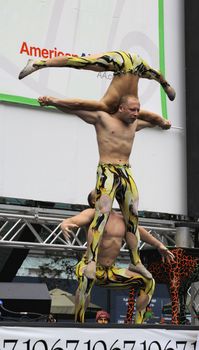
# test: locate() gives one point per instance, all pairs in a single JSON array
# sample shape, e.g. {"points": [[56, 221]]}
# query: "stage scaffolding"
{"points": [[44, 225], [41, 227]]}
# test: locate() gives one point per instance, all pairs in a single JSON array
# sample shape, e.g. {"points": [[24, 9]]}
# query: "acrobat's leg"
{"points": [[105, 190], [123, 278], [144, 299], [145, 71], [82, 295], [82, 298], [127, 197], [109, 61]]}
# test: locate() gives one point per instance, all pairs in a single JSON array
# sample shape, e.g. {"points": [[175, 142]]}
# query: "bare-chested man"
{"points": [[127, 68], [107, 273], [115, 136]]}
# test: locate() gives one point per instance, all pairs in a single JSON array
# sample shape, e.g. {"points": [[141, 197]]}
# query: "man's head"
{"points": [[129, 108], [91, 199], [102, 317]]}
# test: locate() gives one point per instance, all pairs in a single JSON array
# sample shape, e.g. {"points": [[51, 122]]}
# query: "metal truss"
{"points": [[43, 225], [39, 231]]}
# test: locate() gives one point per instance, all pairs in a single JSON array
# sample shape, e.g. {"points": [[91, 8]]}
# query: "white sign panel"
{"points": [[52, 157], [29, 338]]}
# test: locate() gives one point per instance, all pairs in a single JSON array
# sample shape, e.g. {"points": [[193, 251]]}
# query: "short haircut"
{"points": [[90, 199], [125, 98]]}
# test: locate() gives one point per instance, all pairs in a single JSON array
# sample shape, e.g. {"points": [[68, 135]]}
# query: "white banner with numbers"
{"points": [[54, 338]]}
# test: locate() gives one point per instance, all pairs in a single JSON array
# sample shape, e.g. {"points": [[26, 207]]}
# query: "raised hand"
{"points": [[167, 255], [67, 229], [166, 125]]}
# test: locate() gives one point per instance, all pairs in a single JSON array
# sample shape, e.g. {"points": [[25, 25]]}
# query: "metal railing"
{"points": [[46, 234]]}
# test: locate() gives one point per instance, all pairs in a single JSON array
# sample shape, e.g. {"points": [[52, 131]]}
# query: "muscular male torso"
{"points": [[112, 238], [115, 139]]}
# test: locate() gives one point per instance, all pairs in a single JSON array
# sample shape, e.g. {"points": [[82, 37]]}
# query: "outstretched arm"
{"points": [[90, 117], [141, 124], [154, 119], [82, 219], [148, 238]]}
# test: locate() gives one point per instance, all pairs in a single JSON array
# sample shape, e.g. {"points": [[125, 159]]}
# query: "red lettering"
{"points": [[35, 51], [44, 53], [24, 48], [69, 54], [55, 51], [50, 53]]}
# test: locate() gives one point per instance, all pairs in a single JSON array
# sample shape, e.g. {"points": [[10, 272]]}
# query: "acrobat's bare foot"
{"points": [[141, 269], [170, 92], [29, 68]]}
